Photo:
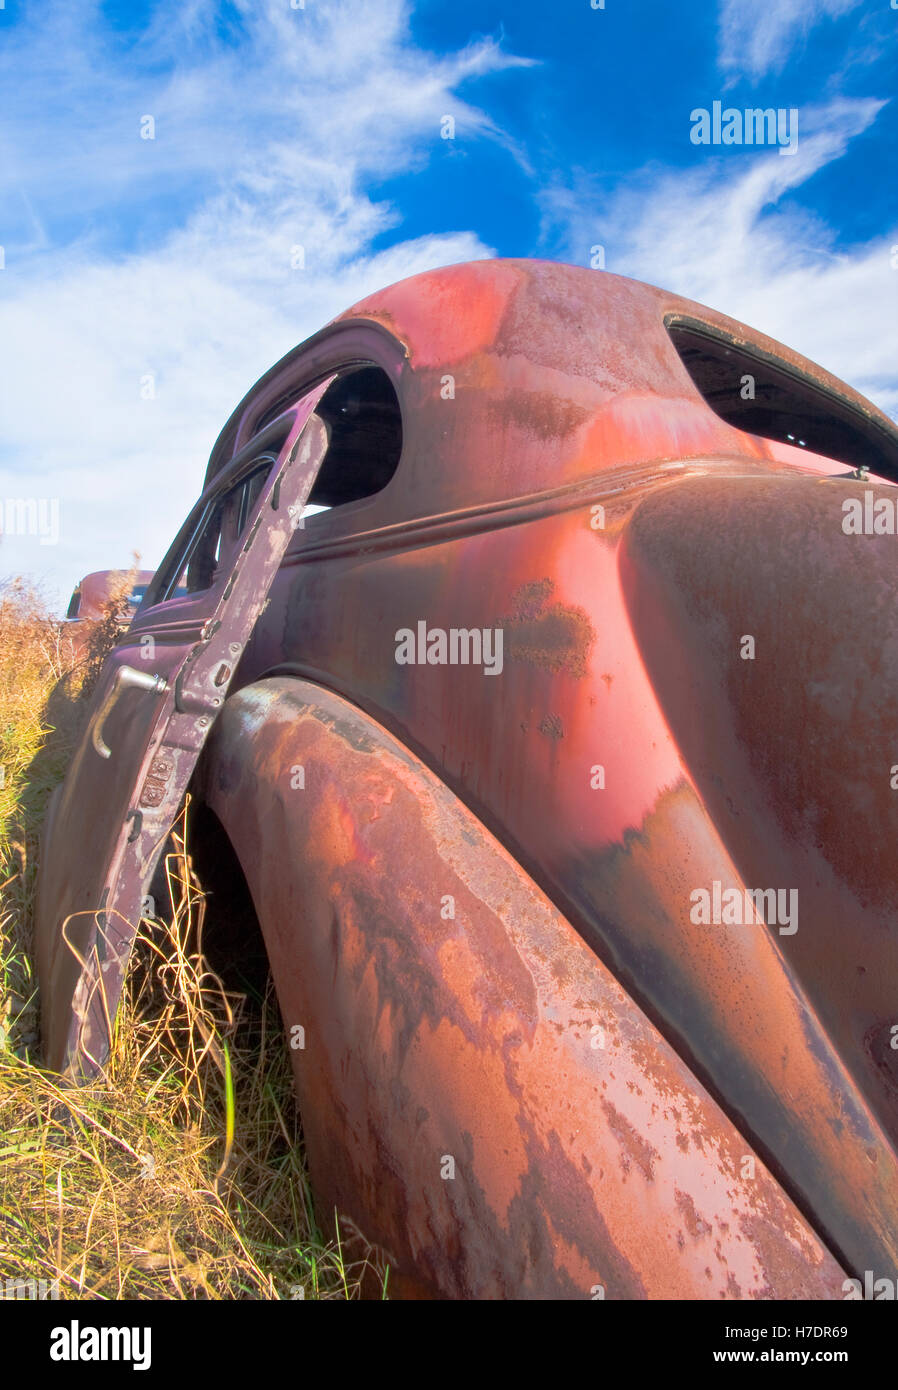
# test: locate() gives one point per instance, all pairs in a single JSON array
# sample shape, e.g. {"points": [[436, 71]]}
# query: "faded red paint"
{"points": [[89, 603], [96, 589], [474, 1038], [456, 313], [621, 652]]}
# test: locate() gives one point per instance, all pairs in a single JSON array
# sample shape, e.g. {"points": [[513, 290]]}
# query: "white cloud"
{"points": [[757, 38], [258, 148], [727, 235]]}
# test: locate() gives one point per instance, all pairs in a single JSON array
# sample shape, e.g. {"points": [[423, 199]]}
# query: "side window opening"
{"points": [[216, 531], [223, 527], [364, 423], [361, 413], [206, 554], [248, 497], [777, 402]]}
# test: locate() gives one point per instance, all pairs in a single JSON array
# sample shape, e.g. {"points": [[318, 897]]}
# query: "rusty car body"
{"points": [[90, 602], [91, 595], [580, 641]]}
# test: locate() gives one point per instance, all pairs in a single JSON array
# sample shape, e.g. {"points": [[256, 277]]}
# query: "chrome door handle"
{"points": [[125, 677]]}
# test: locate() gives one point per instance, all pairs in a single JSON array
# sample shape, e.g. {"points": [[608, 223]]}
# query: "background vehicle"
{"points": [[90, 601], [525, 1068], [91, 595]]}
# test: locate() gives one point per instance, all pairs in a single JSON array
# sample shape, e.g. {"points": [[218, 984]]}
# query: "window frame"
{"points": [[339, 347], [161, 590], [874, 446]]}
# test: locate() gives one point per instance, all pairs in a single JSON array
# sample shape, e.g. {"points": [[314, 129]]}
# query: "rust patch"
{"points": [[879, 1047], [541, 413], [556, 636], [157, 780], [695, 1224], [730, 996], [633, 1146], [778, 1252], [551, 726]]}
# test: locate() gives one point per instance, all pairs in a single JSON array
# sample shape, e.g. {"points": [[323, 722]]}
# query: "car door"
{"points": [[157, 698]]}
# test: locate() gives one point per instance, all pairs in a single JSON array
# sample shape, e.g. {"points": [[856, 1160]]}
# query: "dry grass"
{"points": [[103, 634], [179, 1174]]}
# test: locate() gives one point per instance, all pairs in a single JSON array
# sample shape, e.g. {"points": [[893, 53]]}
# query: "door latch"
{"points": [[125, 677]]}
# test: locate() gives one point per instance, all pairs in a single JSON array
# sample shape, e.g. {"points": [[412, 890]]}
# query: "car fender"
{"points": [[478, 1092]]}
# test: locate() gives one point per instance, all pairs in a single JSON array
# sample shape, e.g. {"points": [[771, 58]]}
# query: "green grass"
{"points": [[180, 1173]]}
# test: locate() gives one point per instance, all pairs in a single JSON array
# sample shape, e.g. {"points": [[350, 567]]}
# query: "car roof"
{"points": [[518, 376]]}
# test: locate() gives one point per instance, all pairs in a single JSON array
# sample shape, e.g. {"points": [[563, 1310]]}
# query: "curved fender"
{"points": [[478, 1092]]}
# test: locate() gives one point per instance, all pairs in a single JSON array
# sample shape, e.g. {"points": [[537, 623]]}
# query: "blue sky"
{"points": [[130, 260]]}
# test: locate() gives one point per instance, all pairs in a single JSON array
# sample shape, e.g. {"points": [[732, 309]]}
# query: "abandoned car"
{"points": [[90, 602], [526, 666]]}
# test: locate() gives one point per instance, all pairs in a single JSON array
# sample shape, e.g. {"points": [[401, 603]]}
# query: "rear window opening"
{"points": [[361, 411], [780, 403]]}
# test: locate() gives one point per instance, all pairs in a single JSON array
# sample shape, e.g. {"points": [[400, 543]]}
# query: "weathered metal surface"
{"points": [[575, 693], [621, 861], [563, 483], [89, 603], [107, 827], [479, 1093], [96, 589], [558, 374], [792, 751]]}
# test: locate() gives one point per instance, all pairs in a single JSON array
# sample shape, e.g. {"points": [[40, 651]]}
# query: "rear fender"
{"points": [[478, 1092]]}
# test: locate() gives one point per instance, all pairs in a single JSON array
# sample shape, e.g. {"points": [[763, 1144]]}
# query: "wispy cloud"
{"points": [[339, 87], [757, 39], [173, 258], [727, 235]]}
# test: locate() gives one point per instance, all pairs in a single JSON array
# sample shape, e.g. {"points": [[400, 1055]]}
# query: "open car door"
{"points": [[157, 698]]}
